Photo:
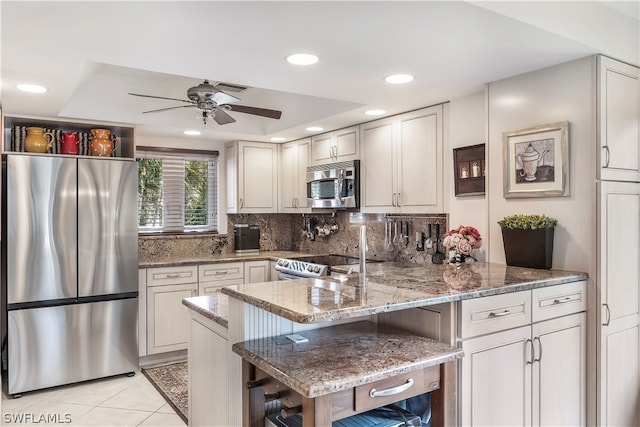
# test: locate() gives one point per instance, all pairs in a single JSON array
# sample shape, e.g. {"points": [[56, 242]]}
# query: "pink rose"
{"points": [[464, 247]]}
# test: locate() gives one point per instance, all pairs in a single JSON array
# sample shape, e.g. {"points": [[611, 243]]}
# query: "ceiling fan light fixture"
{"points": [[31, 88], [314, 128], [302, 59], [399, 78], [192, 132], [374, 112]]}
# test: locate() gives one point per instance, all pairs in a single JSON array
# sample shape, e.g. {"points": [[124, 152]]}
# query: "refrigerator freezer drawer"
{"points": [[52, 346]]}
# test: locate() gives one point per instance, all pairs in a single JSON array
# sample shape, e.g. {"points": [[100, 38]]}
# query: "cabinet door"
{"points": [[258, 178], [231, 171], [378, 171], [142, 312], [256, 271], [302, 157], [346, 144], [559, 371], [619, 243], [420, 184], [208, 377], [620, 375], [288, 177], [294, 160], [322, 149], [619, 317], [495, 380], [167, 318], [618, 120]]}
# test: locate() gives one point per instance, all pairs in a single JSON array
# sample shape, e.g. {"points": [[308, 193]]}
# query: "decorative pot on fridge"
{"points": [[69, 143], [38, 140], [103, 143]]}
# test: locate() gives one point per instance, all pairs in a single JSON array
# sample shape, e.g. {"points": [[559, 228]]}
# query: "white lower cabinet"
{"points": [[256, 271], [208, 390], [167, 318], [213, 277], [521, 375]]}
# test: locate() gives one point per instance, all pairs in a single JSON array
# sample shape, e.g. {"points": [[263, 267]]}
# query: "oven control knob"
{"points": [[317, 269], [310, 268], [285, 263]]}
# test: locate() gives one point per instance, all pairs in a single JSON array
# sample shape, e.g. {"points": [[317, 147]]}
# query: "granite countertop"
{"points": [[214, 307], [218, 258], [390, 287], [345, 356]]}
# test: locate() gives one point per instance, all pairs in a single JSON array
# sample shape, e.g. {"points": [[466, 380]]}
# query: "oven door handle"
{"points": [[287, 276]]}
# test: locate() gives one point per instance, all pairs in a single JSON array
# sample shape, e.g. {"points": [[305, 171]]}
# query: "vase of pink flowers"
{"points": [[461, 242]]}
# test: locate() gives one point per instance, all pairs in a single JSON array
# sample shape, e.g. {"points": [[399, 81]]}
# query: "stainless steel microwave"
{"points": [[334, 185]]}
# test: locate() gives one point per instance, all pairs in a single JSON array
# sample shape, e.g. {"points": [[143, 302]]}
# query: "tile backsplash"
{"points": [[291, 232]]}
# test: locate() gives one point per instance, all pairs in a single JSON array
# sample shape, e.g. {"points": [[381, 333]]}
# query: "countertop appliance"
{"points": [[314, 266], [334, 185], [246, 238], [70, 269]]}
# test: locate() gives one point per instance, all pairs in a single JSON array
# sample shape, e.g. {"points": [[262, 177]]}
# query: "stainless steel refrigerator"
{"points": [[70, 269]]}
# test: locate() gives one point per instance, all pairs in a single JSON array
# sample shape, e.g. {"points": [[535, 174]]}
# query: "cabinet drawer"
{"points": [[556, 301], [223, 271], [172, 275], [211, 288], [396, 388], [496, 313]]}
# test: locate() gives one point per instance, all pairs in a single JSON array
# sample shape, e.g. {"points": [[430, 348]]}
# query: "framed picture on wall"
{"points": [[470, 170], [536, 161]]}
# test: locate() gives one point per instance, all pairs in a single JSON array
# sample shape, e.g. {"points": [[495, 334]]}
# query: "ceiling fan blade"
{"points": [[168, 108], [222, 118], [272, 114], [160, 97], [223, 98]]}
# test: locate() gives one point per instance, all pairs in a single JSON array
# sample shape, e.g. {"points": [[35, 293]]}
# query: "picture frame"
{"points": [[536, 161], [469, 170]]}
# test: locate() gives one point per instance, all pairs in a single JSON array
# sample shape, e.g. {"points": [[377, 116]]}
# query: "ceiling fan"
{"points": [[213, 103]]}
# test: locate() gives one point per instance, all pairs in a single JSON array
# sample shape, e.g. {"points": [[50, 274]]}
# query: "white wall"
{"points": [[195, 144], [560, 93], [467, 126]]}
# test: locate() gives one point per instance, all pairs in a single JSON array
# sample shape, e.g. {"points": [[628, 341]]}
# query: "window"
{"points": [[177, 190]]}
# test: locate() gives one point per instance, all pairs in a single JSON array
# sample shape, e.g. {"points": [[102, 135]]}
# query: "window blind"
{"points": [[177, 191]]}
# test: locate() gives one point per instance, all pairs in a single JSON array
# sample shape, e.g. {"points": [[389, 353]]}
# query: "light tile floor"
{"points": [[118, 401]]}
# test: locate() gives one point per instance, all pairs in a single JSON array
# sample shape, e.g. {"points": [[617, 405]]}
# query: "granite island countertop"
{"points": [[390, 287], [359, 353], [214, 307]]}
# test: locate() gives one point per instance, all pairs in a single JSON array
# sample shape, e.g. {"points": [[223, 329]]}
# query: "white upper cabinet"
{"points": [[401, 168], [294, 159], [337, 146], [252, 177], [618, 109]]}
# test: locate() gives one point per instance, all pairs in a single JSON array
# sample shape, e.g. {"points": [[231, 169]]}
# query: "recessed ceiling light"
{"points": [[399, 78], [26, 87], [192, 132], [278, 139], [302, 59], [314, 128], [374, 112]]}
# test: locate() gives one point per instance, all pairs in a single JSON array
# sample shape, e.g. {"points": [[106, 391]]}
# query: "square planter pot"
{"points": [[528, 248]]}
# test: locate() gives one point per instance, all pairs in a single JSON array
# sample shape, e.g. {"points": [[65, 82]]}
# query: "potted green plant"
{"points": [[528, 240]]}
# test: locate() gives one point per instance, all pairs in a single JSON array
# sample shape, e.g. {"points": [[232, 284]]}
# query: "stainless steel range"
{"points": [[314, 266]]}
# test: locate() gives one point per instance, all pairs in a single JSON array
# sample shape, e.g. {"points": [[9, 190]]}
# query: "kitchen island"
{"points": [[388, 293]]}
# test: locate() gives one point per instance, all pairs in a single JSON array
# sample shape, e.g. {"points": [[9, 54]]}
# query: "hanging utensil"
{"points": [[406, 233], [437, 257], [388, 244], [429, 243], [396, 233]]}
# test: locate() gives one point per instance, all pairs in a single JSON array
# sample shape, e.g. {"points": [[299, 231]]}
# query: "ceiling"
{"points": [[91, 54]]}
